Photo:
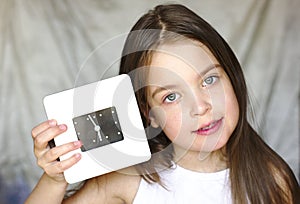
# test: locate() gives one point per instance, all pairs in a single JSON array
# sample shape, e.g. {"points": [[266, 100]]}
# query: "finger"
{"points": [[59, 167], [42, 127], [41, 140], [56, 152]]}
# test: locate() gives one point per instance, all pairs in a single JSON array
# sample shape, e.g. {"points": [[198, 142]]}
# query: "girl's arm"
{"points": [[111, 188], [114, 187]]}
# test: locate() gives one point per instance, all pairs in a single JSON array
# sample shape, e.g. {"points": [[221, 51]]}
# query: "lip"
{"points": [[215, 126]]}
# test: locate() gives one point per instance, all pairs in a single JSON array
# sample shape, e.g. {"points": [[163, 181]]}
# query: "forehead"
{"points": [[184, 59], [181, 57]]}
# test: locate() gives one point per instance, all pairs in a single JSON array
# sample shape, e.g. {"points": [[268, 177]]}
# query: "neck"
{"points": [[206, 162]]}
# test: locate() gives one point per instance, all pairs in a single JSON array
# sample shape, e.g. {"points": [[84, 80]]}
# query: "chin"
{"points": [[214, 145]]}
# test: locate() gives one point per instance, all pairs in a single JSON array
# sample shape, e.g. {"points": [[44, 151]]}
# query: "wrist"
{"points": [[55, 182], [48, 190]]}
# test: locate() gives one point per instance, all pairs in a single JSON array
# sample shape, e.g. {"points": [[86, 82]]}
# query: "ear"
{"points": [[153, 121], [151, 116]]}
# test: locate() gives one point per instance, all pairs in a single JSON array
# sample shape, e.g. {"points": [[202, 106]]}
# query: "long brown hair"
{"points": [[257, 173]]}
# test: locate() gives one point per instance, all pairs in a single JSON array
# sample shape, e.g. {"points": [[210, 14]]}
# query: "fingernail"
{"points": [[52, 123], [62, 127], [77, 156], [77, 143]]}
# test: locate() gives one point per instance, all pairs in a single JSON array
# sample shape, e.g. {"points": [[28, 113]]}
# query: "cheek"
{"points": [[164, 117], [171, 122], [232, 111]]}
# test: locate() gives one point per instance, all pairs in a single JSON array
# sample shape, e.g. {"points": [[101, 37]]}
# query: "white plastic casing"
{"points": [[118, 92]]}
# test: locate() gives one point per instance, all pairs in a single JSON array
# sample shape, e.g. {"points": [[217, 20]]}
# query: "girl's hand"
{"points": [[46, 157]]}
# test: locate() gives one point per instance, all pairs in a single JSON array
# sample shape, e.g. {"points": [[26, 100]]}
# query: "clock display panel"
{"points": [[98, 128]]}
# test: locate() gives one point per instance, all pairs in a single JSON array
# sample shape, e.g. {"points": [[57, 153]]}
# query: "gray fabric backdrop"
{"points": [[46, 46]]}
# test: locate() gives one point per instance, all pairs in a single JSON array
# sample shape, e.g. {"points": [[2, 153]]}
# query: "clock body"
{"points": [[105, 117]]}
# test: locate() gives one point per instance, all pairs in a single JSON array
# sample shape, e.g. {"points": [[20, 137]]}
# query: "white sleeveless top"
{"points": [[186, 187]]}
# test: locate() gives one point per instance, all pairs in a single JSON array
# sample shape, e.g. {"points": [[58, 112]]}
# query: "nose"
{"points": [[201, 103]]}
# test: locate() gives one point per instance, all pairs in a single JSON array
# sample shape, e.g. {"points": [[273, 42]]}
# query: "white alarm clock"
{"points": [[105, 117]]}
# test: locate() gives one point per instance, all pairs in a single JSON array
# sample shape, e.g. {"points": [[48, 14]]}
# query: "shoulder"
{"points": [[114, 187], [122, 185]]}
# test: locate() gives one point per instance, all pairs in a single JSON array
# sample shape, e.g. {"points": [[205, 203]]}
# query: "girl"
{"points": [[189, 85]]}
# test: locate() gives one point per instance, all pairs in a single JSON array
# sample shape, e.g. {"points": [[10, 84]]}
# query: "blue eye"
{"points": [[171, 97], [209, 81]]}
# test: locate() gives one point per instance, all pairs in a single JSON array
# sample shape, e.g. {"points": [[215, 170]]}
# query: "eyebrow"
{"points": [[167, 87], [159, 89], [210, 67]]}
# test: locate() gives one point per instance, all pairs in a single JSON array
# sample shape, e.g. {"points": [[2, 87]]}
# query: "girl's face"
{"points": [[191, 97]]}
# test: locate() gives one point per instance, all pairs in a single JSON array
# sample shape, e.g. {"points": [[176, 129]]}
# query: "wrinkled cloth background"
{"points": [[52, 45]]}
